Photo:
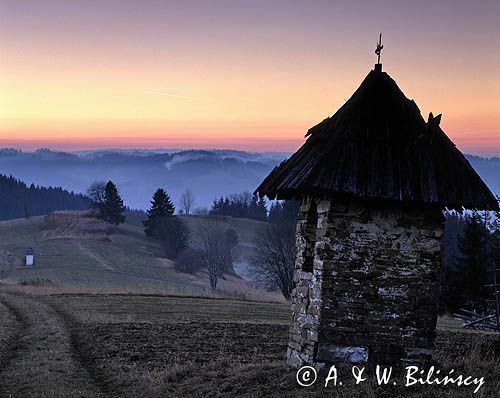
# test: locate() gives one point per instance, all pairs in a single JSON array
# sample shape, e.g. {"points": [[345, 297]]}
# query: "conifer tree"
{"points": [[172, 234], [162, 225], [471, 265], [161, 206], [253, 208], [20, 200], [262, 213], [112, 207]]}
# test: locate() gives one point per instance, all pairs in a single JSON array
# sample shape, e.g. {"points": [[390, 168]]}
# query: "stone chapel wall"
{"points": [[371, 295]]}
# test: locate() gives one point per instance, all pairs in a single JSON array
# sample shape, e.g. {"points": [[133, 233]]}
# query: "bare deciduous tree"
{"points": [[96, 192], [215, 249], [201, 211], [274, 260], [187, 201]]}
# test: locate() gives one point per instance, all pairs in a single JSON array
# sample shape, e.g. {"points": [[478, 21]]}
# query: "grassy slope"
{"points": [[244, 227], [127, 260], [124, 261]]}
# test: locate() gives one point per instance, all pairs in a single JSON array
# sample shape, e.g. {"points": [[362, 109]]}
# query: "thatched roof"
{"points": [[378, 147]]}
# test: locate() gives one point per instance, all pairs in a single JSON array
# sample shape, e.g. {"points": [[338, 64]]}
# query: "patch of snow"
{"points": [[350, 354]]}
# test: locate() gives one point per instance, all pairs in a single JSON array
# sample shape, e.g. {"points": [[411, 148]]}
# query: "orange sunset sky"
{"points": [[251, 75]]}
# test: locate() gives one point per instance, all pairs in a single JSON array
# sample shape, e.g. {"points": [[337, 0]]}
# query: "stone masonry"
{"points": [[366, 283]]}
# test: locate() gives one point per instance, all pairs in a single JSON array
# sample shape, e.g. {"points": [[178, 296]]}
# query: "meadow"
{"points": [[76, 253]]}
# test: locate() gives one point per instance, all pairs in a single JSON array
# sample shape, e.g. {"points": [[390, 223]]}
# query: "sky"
{"points": [[250, 75]]}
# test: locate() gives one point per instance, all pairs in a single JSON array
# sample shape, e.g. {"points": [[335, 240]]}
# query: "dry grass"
{"points": [[42, 362], [9, 329], [125, 261], [79, 254], [8, 261], [45, 287], [237, 372], [454, 325], [165, 309], [157, 346], [74, 225], [175, 346]]}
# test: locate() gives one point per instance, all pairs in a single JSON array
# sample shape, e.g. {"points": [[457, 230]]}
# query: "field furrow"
{"points": [[11, 327], [42, 362]]}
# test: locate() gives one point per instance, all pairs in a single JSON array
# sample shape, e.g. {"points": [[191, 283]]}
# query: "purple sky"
{"points": [[243, 74]]}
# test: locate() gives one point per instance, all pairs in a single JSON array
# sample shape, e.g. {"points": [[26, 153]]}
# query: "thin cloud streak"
{"points": [[171, 95]]}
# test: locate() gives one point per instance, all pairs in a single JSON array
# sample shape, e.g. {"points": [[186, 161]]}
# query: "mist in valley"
{"points": [[138, 173], [208, 174]]}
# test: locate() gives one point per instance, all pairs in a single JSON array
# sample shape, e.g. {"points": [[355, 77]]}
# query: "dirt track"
{"points": [[39, 357]]}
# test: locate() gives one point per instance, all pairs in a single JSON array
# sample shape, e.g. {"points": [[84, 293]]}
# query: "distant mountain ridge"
{"points": [[209, 173], [488, 169]]}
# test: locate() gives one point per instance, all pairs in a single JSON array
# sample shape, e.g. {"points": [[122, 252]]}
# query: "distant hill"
{"points": [[17, 200], [139, 172], [488, 169]]}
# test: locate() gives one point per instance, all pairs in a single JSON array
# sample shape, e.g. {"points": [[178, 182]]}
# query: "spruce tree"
{"points": [[262, 213], [172, 234], [253, 208], [161, 206], [471, 264], [162, 225], [112, 207]]}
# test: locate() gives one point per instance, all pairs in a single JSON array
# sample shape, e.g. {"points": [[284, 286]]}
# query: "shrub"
{"points": [[189, 261]]}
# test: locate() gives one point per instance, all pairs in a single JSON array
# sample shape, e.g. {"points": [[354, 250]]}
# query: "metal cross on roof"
{"points": [[379, 48]]}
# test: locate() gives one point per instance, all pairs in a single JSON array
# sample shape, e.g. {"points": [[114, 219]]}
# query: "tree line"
{"points": [[243, 205], [18, 200], [471, 255]]}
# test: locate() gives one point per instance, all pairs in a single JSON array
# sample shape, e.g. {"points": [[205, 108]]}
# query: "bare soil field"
{"points": [[89, 345]]}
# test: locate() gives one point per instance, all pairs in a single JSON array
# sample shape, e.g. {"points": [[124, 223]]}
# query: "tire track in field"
{"points": [[41, 360], [99, 260], [82, 352], [11, 329]]}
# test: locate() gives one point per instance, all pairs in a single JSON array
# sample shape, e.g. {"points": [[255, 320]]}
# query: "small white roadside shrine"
{"points": [[30, 255]]}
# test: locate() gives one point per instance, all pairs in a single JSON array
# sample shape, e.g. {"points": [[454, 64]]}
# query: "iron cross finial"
{"points": [[379, 48]]}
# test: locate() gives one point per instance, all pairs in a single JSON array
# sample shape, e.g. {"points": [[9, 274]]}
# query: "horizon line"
{"points": [[187, 148]]}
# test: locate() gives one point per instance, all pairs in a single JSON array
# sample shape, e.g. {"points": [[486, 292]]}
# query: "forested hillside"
{"points": [[17, 200]]}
